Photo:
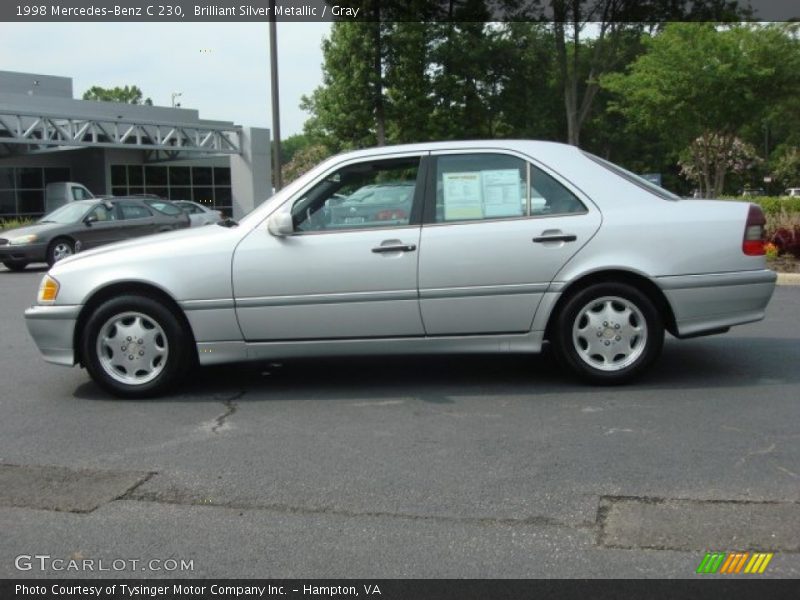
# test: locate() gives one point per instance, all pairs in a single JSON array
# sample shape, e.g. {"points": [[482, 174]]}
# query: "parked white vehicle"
{"points": [[499, 246], [199, 214]]}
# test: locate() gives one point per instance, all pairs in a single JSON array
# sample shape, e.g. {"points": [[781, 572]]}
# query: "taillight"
{"points": [[753, 242]]}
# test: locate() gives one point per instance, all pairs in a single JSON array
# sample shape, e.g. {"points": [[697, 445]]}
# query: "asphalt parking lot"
{"points": [[497, 466]]}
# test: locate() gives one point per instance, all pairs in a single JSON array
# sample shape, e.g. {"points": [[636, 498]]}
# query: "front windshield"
{"points": [[69, 213]]}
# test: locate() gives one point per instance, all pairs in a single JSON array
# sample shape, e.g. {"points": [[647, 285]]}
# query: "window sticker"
{"points": [[502, 195], [462, 196]]}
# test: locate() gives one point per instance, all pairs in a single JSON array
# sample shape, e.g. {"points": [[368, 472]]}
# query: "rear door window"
{"points": [[491, 186], [130, 210]]}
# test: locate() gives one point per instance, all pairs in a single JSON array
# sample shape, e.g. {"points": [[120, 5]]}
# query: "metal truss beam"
{"points": [[41, 131]]}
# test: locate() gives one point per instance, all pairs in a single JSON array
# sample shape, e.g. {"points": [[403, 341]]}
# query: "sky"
{"points": [[221, 69]]}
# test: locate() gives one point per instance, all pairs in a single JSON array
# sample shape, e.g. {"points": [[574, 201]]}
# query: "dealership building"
{"points": [[47, 136]]}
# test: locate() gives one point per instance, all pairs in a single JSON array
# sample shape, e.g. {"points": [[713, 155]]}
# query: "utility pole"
{"points": [[276, 111]]}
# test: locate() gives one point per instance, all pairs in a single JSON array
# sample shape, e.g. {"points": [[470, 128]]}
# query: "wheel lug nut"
{"points": [[618, 338], [599, 333], [141, 341], [130, 357], [141, 352], [129, 338], [607, 343], [124, 348], [605, 324]]}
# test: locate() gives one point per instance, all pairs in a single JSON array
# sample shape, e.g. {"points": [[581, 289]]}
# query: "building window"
{"points": [[211, 186], [22, 189]]}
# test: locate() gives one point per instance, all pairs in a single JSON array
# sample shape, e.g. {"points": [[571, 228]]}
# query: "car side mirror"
{"points": [[281, 224], [90, 219]]}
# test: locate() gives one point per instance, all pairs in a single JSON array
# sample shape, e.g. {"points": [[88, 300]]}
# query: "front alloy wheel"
{"points": [[132, 348], [58, 250], [608, 333], [135, 347]]}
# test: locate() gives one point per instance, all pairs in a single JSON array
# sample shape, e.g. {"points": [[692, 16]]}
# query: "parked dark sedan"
{"points": [[87, 224]]}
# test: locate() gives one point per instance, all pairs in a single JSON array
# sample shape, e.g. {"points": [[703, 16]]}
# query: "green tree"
{"points": [[786, 166], [293, 144], [466, 80], [342, 108], [528, 104], [698, 80], [130, 94], [409, 96]]}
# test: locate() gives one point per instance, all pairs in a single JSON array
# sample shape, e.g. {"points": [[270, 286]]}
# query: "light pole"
{"points": [[276, 120], [176, 95]]}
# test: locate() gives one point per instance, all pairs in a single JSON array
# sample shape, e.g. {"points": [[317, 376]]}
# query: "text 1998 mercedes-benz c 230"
{"points": [[491, 246]]}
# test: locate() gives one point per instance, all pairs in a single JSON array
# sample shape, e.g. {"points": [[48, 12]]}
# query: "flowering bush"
{"points": [[783, 231], [771, 250], [710, 157], [787, 240]]}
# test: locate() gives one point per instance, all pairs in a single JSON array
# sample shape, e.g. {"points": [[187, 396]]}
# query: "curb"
{"points": [[788, 278]]}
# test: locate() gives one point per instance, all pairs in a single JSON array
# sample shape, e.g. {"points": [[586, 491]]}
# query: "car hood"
{"points": [[167, 242], [38, 229]]}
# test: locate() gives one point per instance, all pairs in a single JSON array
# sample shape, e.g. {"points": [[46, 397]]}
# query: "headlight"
{"points": [[22, 240], [48, 290]]}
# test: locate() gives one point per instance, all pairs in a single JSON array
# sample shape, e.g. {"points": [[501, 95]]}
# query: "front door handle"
{"points": [[395, 248], [561, 237]]}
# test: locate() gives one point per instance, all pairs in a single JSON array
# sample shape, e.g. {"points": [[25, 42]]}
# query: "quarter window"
{"points": [[549, 197], [360, 196], [164, 207]]}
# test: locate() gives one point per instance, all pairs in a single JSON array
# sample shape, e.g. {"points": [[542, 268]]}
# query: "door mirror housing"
{"points": [[90, 219], [281, 224]]}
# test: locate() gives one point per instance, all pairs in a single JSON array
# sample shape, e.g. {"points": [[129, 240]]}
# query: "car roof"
{"points": [[136, 198], [524, 146]]}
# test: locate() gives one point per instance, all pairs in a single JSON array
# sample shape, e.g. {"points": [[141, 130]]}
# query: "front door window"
{"points": [[361, 196]]}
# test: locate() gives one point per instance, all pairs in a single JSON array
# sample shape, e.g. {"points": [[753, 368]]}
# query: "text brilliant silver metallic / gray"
{"points": [[447, 247]]}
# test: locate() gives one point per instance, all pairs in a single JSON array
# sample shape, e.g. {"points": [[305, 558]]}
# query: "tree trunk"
{"points": [[569, 83], [380, 116], [706, 187]]}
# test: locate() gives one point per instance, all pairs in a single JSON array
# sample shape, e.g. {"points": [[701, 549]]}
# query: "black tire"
{"points": [[55, 247], [15, 265], [611, 313], [129, 381]]}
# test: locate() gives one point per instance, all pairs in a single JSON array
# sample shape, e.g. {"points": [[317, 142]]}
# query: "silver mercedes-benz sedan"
{"points": [[486, 246]]}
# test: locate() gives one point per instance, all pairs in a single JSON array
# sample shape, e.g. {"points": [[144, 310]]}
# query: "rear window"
{"points": [[633, 178], [165, 207]]}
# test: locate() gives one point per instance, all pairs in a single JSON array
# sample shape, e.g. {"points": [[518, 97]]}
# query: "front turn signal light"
{"points": [[48, 290]]}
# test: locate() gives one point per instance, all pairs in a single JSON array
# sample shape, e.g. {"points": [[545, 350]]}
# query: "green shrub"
{"points": [[771, 205], [14, 223]]}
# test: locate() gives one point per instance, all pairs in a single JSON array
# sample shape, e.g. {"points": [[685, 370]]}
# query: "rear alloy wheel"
{"points": [[59, 249], [15, 265], [608, 333], [135, 347]]}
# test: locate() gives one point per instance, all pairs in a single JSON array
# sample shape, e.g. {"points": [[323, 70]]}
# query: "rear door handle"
{"points": [[561, 237], [395, 248]]}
